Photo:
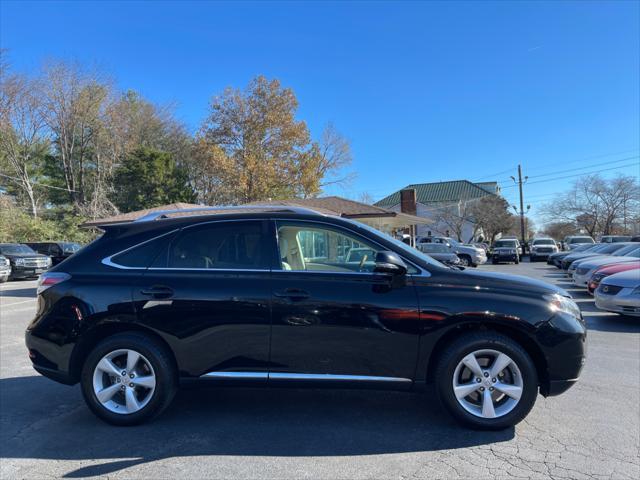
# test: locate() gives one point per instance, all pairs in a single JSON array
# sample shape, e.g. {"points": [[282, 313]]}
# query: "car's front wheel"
{"points": [[486, 380], [128, 379]]}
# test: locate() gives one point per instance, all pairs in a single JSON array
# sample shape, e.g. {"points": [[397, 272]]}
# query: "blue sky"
{"points": [[425, 91]]}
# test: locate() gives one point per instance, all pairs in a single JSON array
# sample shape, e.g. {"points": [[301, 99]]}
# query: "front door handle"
{"points": [[158, 291], [292, 294]]}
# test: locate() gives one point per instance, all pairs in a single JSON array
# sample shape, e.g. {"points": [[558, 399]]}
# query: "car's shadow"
{"points": [[44, 420], [19, 293]]}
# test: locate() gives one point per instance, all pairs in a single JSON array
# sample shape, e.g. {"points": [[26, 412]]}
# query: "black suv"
{"points": [[57, 251], [271, 296], [25, 263]]}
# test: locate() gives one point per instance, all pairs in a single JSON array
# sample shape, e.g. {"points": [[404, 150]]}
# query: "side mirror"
{"points": [[389, 262]]}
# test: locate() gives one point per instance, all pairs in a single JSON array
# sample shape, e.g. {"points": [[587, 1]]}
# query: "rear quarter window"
{"points": [[141, 255]]}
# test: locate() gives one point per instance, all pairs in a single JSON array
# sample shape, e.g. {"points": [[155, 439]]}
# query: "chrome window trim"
{"points": [[110, 263], [303, 376]]}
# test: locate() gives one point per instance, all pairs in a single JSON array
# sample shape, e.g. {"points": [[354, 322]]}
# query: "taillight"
{"points": [[49, 279]]}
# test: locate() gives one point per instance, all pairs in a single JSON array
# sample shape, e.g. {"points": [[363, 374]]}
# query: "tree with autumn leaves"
{"points": [[251, 147]]}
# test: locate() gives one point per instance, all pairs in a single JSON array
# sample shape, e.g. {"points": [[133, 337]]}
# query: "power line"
{"points": [[576, 175], [582, 168]]}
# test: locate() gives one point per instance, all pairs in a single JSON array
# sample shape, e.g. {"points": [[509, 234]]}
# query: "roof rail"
{"points": [[160, 214]]}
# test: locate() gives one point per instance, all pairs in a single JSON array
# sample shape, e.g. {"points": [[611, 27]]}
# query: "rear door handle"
{"points": [[292, 294], [158, 291]]}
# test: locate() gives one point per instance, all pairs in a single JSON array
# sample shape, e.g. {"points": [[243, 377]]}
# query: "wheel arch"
{"points": [[106, 329], [507, 328]]}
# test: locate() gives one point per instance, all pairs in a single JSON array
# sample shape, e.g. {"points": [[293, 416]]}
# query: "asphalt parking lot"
{"points": [[592, 431]]}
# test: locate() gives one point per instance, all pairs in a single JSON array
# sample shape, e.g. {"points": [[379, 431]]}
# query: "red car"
{"points": [[606, 270]]}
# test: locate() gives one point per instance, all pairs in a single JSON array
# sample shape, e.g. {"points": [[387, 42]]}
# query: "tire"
{"points": [[532, 259], [508, 411], [465, 260], [494, 262], [154, 361]]}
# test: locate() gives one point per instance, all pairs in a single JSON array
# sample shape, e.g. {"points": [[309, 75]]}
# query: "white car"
{"points": [[620, 293], [542, 248], [585, 268]]}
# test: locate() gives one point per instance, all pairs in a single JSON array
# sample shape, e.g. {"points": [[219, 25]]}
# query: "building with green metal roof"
{"points": [[439, 203]]}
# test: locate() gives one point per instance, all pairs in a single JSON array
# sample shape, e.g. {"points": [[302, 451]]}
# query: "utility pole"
{"points": [[519, 182]]}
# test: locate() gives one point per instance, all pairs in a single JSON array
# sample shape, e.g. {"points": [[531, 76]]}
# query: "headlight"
{"points": [[637, 290], [48, 261], [19, 261], [558, 303]]}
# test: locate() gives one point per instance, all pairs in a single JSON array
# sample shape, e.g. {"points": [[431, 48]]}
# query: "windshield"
{"points": [[544, 241], [626, 250], [505, 243], [606, 248], [16, 249], [633, 253], [400, 246], [581, 240]]}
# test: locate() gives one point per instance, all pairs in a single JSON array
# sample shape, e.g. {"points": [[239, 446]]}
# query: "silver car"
{"points": [[620, 293], [5, 269]]}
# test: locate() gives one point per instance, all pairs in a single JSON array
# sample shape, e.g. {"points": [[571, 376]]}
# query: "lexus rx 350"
{"points": [[271, 297]]}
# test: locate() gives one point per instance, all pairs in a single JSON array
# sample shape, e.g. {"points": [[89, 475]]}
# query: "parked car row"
{"points": [[467, 255], [609, 271], [20, 260]]}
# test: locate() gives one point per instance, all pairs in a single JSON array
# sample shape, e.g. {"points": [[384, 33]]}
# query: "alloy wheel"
{"points": [[124, 381], [487, 383]]}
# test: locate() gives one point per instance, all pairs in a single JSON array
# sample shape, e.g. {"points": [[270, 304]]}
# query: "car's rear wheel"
{"points": [[486, 381], [128, 379]]}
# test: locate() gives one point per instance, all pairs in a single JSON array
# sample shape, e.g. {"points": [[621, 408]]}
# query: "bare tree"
{"points": [[599, 206], [72, 103], [491, 215], [325, 162], [559, 230], [454, 217], [22, 140], [365, 197]]}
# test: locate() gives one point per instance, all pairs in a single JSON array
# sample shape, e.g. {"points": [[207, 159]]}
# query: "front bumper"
{"points": [[26, 272], [537, 254], [504, 256], [5, 272], [581, 280], [479, 259], [564, 342], [624, 302]]}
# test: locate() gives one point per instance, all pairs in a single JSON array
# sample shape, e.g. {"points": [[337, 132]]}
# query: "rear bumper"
{"points": [[49, 359]]}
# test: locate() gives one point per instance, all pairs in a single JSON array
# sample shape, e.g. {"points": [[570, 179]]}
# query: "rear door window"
{"points": [[219, 246]]}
